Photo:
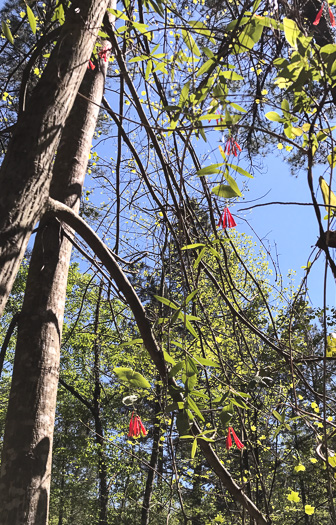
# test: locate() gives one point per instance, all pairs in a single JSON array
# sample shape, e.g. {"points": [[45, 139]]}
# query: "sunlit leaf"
{"points": [[31, 19], [193, 448], [134, 379], [225, 191], [291, 31], [209, 170], [7, 32], [329, 197]]}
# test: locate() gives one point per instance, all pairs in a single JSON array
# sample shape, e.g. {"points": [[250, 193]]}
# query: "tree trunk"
{"points": [[102, 473], [153, 463], [26, 457], [25, 173]]}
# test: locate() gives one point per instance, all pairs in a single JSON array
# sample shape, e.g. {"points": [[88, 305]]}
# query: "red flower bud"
{"points": [[237, 441], [136, 427], [226, 220]]}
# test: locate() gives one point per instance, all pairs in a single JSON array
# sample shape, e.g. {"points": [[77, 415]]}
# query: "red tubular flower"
{"points": [[232, 146], [320, 13], [91, 65], [237, 441], [226, 220], [229, 440], [136, 427], [318, 16], [131, 427], [332, 18], [103, 52], [142, 429]]}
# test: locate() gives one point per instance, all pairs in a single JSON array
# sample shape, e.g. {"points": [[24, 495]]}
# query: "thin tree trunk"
{"points": [[26, 171], [102, 472], [153, 465], [26, 457]]}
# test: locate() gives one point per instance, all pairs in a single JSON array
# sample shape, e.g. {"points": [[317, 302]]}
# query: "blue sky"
{"points": [[290, 232]]}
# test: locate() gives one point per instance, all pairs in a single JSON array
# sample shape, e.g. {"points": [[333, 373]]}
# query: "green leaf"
{"points": [[149, 69], [176, 368], [226, 414], [194, 448], [200, 257], [190, 297], [182, 423], [165, 301], [132, 342], [190, 43], [225, 191], [168, 358], [237, 107], [279, 417], [249, 36], [31, 19], [138, 59], [130, 376], [291, 31], [231, 75], [233, 184], [274, 116], [142, 28], [7, 32], [206, 66], [184, 94], [240, 170], [191, 382], [328, 196], [193, 246], [285, 105], [206, 362], [190, 328], [240, 404], [192, 405], [332, 461], [118, 14], [209, 170], [191, 368]]}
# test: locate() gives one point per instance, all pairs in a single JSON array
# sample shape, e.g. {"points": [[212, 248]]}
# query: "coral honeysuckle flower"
{"points": [[103, 52], [136, 428], [91, 65], [226, 220], [320, 13], [232, 146], [237, 441]]}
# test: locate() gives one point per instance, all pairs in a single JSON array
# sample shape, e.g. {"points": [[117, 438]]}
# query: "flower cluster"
{"points": [[319, 15], [91, 65], [136, 428], [226, 220], [232, 146], [236, 440], [103, 52]]}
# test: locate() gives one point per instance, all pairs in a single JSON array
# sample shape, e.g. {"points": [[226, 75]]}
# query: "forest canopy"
{"points": [[154, 366]]}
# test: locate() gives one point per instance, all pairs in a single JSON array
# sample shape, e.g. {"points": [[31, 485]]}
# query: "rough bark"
{"points": [[25, 173], [26, 457]]}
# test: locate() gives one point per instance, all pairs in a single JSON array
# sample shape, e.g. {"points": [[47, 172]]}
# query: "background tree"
{"points": [[224, 347]]}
